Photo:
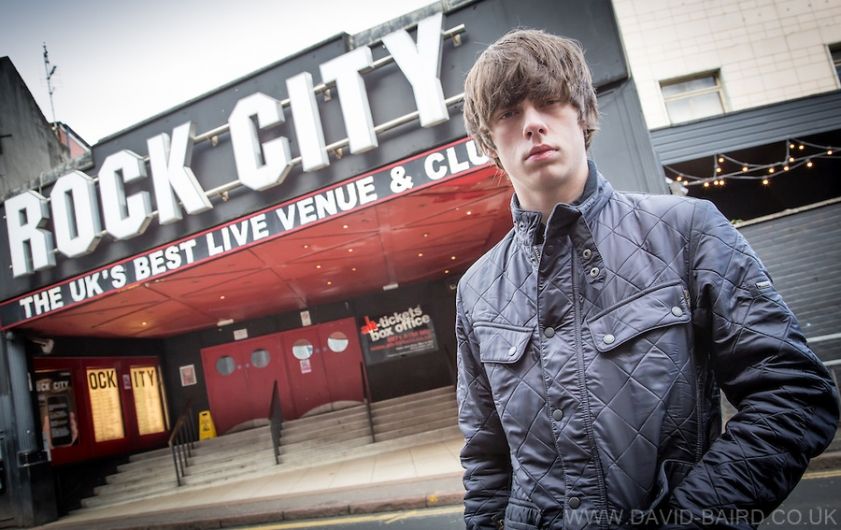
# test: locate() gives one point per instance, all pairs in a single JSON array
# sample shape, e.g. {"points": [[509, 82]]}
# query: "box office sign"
{"points": [[390, 182], [127, 182], [398, 334]]}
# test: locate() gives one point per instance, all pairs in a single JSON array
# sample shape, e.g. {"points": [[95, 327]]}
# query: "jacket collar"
{"points": [[527, 223]]}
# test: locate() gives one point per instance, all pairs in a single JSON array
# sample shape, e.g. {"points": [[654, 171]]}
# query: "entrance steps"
{"points": [[334, 436]]}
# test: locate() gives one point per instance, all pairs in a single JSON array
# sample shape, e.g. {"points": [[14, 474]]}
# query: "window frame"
{"points": [[718, 89]]}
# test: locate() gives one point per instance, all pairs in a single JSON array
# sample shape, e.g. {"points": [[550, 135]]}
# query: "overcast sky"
{"points": [[119, 62]]}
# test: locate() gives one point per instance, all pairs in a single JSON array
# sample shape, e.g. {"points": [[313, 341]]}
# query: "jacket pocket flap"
{"points": [[501, 343], [656, 307]]}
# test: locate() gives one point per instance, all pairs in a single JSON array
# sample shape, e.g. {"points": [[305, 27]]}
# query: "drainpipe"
{"points": [[31, 487]]}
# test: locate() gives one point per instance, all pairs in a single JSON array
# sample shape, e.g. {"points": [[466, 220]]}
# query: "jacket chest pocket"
{"points": [[502, 350], [629, 325]]}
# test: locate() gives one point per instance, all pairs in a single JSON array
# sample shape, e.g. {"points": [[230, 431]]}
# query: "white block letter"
{"points": [[171, 172], [75, 214], [30, 246], [421, 65], [307, 122], [353, 97], [125, 217], [258, 166]]}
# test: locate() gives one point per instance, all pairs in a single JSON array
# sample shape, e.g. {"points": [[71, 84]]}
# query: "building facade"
{"points": [[304, 225]]}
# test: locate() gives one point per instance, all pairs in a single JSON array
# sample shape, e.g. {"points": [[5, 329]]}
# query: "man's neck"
{"points": [[545, 202]]}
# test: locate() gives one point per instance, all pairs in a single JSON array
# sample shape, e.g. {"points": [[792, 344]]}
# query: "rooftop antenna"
{"points": [[50, 89]]}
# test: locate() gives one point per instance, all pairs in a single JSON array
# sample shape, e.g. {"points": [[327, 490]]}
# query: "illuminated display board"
{"points": [[56, 402], [147, 400], [105, 404]]}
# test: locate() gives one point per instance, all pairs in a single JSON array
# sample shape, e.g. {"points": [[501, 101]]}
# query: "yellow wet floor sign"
{"points": [[206, 428]]}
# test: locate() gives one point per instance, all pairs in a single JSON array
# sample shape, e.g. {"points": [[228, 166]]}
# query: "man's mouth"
{"points": [[539, 151]]}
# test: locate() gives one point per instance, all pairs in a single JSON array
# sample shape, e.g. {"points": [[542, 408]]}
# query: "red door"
{"points": [[240, 377], [303, 355], [342, 357]]}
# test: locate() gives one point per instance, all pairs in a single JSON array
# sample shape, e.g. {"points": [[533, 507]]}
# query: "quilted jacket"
{"points": [[590, 364]]}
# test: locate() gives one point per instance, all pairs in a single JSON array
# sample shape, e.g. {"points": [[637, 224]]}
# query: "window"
{"points": [[835, 51], [691, 98]]}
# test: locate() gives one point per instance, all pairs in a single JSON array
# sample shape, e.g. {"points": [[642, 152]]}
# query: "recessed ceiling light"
{"points": [[469, 212], [353, 269], [222, 297], [350, 250], [344, 226], [306, 246], [143, 323], [426, 235], [329, 282], [420, 254], [318, 266], [453, 258], [446, 271]]}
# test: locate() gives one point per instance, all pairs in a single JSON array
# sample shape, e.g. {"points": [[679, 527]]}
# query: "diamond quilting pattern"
{"points": [[643, 397]]}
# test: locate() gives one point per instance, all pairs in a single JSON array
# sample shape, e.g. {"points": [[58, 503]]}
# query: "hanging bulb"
{"points": [[744, 168], [771, 169], [679, 178], [791, 159], [791, 146], [785, 167], [706, 184], [718, 170], [829, 151], [809, 164], [801, 147], [720, 159], [765, 181]]}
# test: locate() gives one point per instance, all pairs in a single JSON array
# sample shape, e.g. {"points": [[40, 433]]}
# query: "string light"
{"points": [[805, 151]]}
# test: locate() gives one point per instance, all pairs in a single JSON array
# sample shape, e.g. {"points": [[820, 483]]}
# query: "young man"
{"points": [[594, 338]]}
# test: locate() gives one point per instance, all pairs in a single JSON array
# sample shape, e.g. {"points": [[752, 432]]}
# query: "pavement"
{"points": [[422, 476]]}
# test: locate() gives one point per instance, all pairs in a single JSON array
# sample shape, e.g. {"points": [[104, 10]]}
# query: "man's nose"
{"points": [[533, 122]]}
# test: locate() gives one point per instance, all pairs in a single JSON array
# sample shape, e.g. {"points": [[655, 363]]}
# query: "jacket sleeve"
{"points": [[485, 456], [787, 405]]}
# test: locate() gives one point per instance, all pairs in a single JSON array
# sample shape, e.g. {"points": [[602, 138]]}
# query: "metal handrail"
{"points": [[366, 393], [276, 419], [182, 441]]}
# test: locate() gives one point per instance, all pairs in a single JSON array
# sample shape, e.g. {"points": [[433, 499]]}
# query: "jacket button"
{"points": [[512, 350], [557, 414], [549, 332], [594, 272], [676, 311], [574, 502], [608, 339], [586, 254]]}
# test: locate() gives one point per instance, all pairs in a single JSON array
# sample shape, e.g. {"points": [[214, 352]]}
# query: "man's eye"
{"points": [[504, 115]]}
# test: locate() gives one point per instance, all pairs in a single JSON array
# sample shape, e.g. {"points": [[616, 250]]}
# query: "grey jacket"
{"points": [[590, 365]]}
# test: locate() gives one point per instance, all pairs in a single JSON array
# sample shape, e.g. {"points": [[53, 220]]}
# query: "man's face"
{"points": [[540, 144]]}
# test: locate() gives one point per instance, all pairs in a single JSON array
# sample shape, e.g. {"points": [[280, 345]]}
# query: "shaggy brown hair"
{"points": [[533, 64]]}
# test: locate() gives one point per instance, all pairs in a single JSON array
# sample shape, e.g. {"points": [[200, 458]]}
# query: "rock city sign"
{"points": [[73, 206]]}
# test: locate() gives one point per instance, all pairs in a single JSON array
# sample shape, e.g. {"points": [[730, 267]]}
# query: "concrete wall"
{"points": [[767, 50], [32, 147]]}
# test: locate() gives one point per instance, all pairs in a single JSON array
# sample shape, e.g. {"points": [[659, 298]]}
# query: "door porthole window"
{"points": [[337, 342], [225, 365], [302, 349], [260, 358]]}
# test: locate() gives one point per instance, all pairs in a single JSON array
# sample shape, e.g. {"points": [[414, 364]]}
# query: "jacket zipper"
{"points": [[582, 387]]}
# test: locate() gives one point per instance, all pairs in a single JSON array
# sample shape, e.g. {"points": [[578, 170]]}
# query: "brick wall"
{"points": [[766, 50]]}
